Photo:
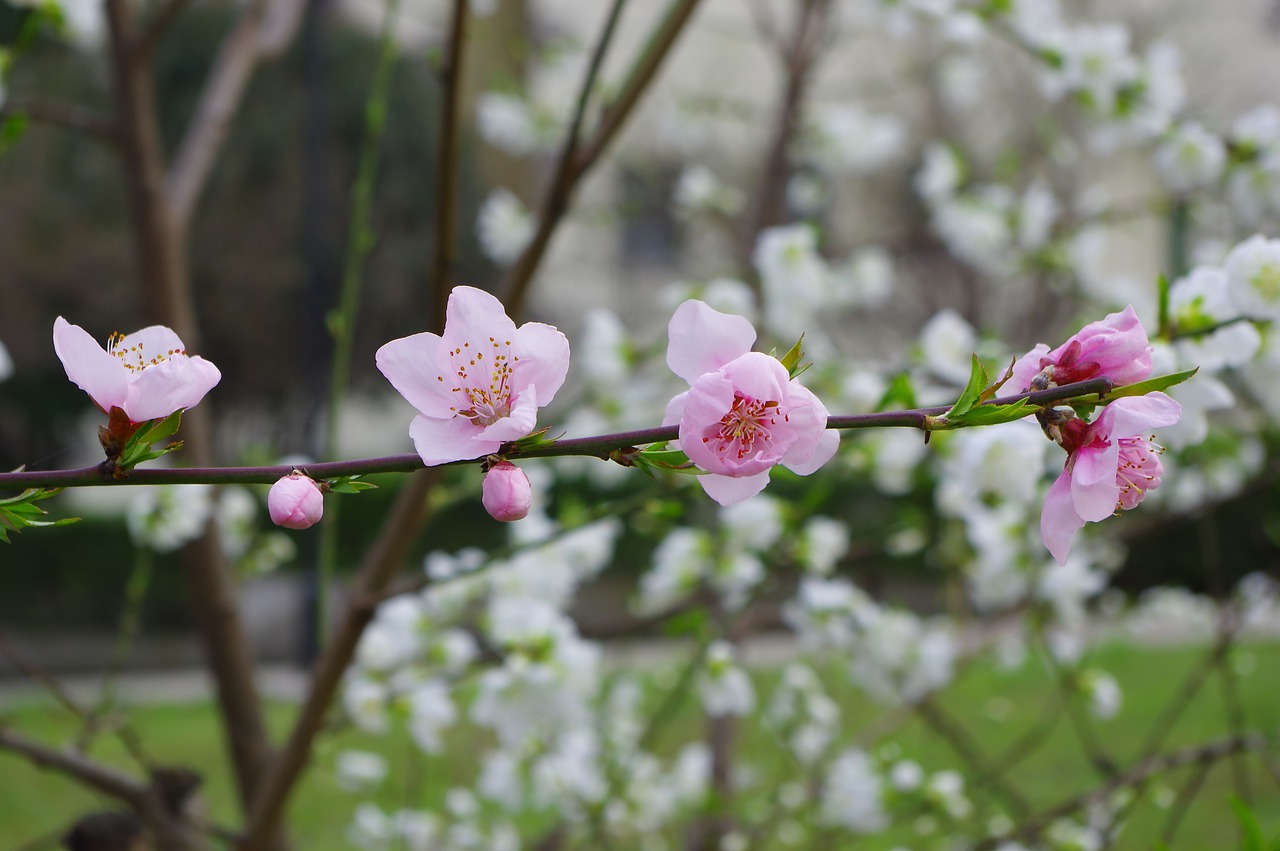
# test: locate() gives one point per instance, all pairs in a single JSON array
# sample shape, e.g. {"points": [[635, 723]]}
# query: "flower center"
{"points": [[747, 421], [133, 358], [485, 382], [1139, 470]]}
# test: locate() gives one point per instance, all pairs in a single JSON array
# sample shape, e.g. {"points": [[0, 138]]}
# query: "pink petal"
{"points": [[473, 316], [1131, 416], [441, 441], [1119, 345], [168, 386], [727, 490], [1059, 521], [521, 420], [706, 403], [153, 341], [759, 376], [675, 411], [1024, 369], [828, 443], [701, 339], [542, 354], [419, 370], [89, 366], [1094, 491]]}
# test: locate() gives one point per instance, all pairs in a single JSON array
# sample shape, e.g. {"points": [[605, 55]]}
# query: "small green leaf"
{"points": [[667, 460], [900, 394], [1142, 388], [792, 359], [972, 391], [139, 446], [987, 415], [1252, 838], [20, 512], [536, 440], [349, 484]]}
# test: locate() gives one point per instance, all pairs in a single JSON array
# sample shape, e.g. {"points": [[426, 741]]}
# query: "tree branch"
{"points": [[576, 160], [600, 446], [265, 26], [69, 116], [103, 778]]}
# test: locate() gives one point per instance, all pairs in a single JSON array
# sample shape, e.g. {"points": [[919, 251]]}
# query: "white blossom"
{"points": [[852, 795], [504, 227], [1191, 158]]}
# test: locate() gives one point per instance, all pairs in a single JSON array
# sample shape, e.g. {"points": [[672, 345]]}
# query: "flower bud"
{"points": [[506, 492], [295, 502]]}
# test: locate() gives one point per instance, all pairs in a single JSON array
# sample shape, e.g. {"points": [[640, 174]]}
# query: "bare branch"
{"points": [[69, 116], [103, 778], [159, 25], [447, 176], [264, 28], [576, 160]]}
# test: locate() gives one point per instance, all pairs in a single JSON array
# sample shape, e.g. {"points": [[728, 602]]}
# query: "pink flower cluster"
{"points": [[1113, 462]]}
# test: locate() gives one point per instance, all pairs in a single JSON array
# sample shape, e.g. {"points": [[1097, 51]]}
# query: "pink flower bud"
{"points": [[295, 502], [506, 492]]}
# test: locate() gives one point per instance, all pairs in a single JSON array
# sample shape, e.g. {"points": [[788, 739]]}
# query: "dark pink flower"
{"points": [[1115, 347], [1112, 464]]}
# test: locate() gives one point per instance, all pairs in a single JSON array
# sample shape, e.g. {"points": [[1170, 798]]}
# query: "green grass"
{"points": [[995, 707]]}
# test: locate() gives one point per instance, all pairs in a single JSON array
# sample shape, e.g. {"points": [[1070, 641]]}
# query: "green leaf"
{"points": [[900, 394], [972, 391], [1142, 388], [536, 440], [987, 415], [1252, 838], [349, 484], [791, 360], [139, 447], [20, 512], [657, 457]]}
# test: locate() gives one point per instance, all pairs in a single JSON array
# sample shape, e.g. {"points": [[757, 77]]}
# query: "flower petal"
{"points": [[824, 451], [521, 420], [89, 366], [1024, 369], [474, 316], [1130, 416], [759, 376], [1094, 490], [1059, 521], [727, 490], [162, 388], [542, 359], [419, 370], [440, 441], [701, 339]]}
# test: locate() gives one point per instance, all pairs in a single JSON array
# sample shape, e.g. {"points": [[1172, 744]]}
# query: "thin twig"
{"points": [[103, 778], [961, 742], [447, 175], [600, 446], [69, 116], [159, 26], [577, 159]]}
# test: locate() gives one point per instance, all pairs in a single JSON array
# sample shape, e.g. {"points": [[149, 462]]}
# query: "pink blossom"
{"points": [[295, 502], [147, 374], [506, 493], [1112, 463], [481, 383], [742, 413], [1115, 347]]}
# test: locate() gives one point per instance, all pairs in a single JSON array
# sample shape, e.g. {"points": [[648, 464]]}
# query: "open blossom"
{"points": [[147, 374], [295, 502], [1112, 463], [742, 413], [1115, 347], [481, 383]]}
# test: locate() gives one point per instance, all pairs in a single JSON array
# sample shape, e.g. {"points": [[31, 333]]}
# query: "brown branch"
{"points": [[69, 116], [799, 61], [1201, 755], [103, 778], [265, 26], [379, 566], [441, 273], [960, 741], [159, 25], [576, 160]]}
